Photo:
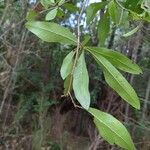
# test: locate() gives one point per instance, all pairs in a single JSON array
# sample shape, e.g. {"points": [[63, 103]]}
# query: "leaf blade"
{"points": [[47, 3], [68, 84], [117, 82], [51, 15], [112, 10], [81, 83], [117, 59], [51, 32], [103, 28], [67, 65], [71, 7], [111, 129], [92, 9]]}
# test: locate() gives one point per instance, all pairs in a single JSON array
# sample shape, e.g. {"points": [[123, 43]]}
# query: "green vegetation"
{"points": [[66, 66]]}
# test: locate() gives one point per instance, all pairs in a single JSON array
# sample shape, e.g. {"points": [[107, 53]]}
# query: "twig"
{"points": [[5, 13], [78, 36], [11, 83], [77, 52], [12, 27], [75, 105], [78, 43]]}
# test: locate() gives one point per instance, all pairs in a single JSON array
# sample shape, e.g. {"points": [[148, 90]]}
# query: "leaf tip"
{"points": [[61, 74], [137, 105]]}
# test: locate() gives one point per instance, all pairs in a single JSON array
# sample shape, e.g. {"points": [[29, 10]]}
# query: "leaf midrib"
{"points": [[82, 69], [111, 129], [105, 55], [54, 33], [115, 79]]}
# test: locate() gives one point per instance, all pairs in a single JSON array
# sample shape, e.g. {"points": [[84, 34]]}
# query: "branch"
{"points": [[78, 44]]}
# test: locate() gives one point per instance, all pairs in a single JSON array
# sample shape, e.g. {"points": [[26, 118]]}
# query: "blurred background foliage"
{"points": [[33, 112]]}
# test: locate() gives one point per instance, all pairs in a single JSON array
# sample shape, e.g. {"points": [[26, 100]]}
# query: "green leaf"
{"points": [[81, 83], [92, 9], [68, 84], [60, 13], [51, 15], [111, 129], [134, 5], [103, 28], [124, 18], [117, 59], [115, 12], [147, 18], [86, 40], [112, 8], [71, 7], [47, 3], [131, 4], [115, 80], [61, 2], [146, 5], [31, 15], [132, 31], [51, 32], [67, 65]]}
